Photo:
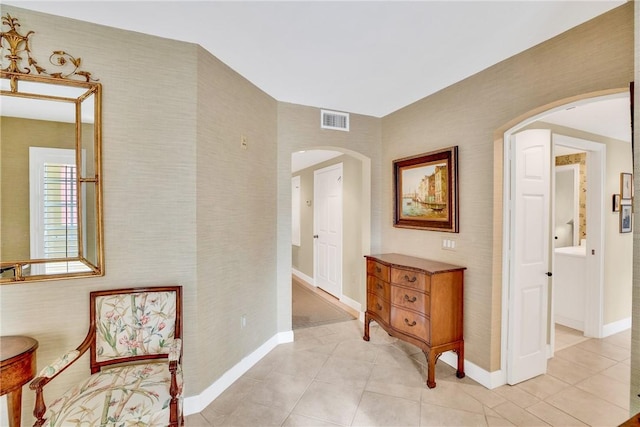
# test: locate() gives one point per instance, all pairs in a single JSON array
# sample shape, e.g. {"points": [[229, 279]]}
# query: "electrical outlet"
{"points": [[449, 244], [244, 142]]}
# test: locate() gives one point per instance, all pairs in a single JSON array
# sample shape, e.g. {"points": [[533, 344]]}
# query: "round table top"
{"points": [[12, 346]]}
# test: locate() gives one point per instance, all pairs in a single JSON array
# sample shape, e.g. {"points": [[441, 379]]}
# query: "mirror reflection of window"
{"points": [[54, 209]]}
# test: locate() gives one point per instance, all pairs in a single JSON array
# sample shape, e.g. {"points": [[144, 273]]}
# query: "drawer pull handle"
{"points": [[378, 306], [410, 280], [406, 321], [378, 269], [412, 299], [379, 286]]}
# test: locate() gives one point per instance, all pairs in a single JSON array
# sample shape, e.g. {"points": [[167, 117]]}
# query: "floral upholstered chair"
{"points": [[135, 350]]}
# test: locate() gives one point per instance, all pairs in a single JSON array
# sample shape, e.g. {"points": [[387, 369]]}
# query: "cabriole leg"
{"points": [[367, 320], [432, 358], [460, 352]]}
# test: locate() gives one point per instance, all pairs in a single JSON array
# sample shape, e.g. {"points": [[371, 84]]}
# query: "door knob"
{"points": [[548, 273], [315, 236]]}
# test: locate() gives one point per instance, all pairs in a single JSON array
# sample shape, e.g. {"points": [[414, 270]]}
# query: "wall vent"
{"points": [[334, 120]]}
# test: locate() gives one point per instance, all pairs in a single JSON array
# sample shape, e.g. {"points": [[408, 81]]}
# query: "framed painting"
{"points": [[426, 191], [616, 203], [626, 218], [626, 185]]}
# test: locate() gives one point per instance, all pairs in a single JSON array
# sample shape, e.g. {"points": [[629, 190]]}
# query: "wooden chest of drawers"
{"points": [[418, 301]]}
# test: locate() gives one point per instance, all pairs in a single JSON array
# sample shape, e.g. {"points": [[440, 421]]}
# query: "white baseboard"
{"points": [[615, 327], [353, 304], [569, 323], [195, 404], [303, 276], [488, 379], [343, 299]]}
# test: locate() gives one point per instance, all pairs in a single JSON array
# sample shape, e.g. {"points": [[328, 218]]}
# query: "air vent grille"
{"points": [[334, 120]]}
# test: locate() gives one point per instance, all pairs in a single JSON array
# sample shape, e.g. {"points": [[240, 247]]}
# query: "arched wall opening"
{"points": [[501, 218], [356, 218]]}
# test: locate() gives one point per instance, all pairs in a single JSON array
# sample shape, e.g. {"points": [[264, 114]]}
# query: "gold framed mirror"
{"points": [[50, 165]]}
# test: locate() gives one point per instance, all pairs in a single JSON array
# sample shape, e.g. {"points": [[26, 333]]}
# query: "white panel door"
{"points": [[328, 229], [528, 299]]}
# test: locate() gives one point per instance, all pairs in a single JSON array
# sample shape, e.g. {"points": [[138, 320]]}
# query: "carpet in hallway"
{"points": [[310, 309]]}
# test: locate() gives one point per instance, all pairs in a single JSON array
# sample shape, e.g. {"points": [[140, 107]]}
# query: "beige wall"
{"points": [[302, 255], [592, 57], [618, 262], [176, 209], [235, 219], [353, 209], [16, 137], [634, 387]]}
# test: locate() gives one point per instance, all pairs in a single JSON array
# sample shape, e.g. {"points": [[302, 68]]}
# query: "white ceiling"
{"points": [[365, 57], [610, 117], [304, 159]]}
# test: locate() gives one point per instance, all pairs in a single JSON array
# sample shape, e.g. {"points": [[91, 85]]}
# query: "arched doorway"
{"points": [[356, 218], [514, 335]]}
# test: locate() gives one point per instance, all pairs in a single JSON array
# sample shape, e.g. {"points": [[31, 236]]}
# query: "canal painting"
{"points": [[426, 191]]}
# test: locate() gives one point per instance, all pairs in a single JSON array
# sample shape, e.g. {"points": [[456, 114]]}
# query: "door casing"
{"points": [[595, 221]]}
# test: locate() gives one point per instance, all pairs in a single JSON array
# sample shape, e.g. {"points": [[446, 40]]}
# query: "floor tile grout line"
{"points": [[379, 349], [557, 408], [314, 378]]}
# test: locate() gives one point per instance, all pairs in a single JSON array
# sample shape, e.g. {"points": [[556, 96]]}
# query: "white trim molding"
{"points": [[301, 275], [353, 304], [615, 327], [488, 379], [195, 404]]}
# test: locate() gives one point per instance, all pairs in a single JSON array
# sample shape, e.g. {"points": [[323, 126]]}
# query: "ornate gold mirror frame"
{"points": [[50, 165]]}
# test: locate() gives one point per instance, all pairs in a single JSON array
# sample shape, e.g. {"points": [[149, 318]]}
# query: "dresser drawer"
{"points": [[411, 278], [410, 323], [378, 270], [377, 305], [378, 287], [411, 299]]}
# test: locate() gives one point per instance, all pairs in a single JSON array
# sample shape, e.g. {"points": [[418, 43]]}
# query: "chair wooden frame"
{"points": [[176, 417]]}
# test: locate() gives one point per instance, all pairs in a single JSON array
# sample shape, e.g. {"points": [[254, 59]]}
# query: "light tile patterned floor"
{"points": [[330, 377]]}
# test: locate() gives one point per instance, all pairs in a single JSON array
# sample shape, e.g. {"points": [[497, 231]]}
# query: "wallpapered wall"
{"points": [[175, 206], [597, 55]]}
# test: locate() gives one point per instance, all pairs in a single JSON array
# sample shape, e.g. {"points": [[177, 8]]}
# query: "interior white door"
{"points": [[328, 229], [528, 299]]}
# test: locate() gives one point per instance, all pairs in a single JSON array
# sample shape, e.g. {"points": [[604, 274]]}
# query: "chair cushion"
{"points": [[121, 396], [134, 324]]}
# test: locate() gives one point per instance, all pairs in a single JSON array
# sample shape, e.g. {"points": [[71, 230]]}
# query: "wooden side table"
{"points": [[17, 367]]}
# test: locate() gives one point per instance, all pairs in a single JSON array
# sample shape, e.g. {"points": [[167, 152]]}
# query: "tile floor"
{"points": [[330, 377]]}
